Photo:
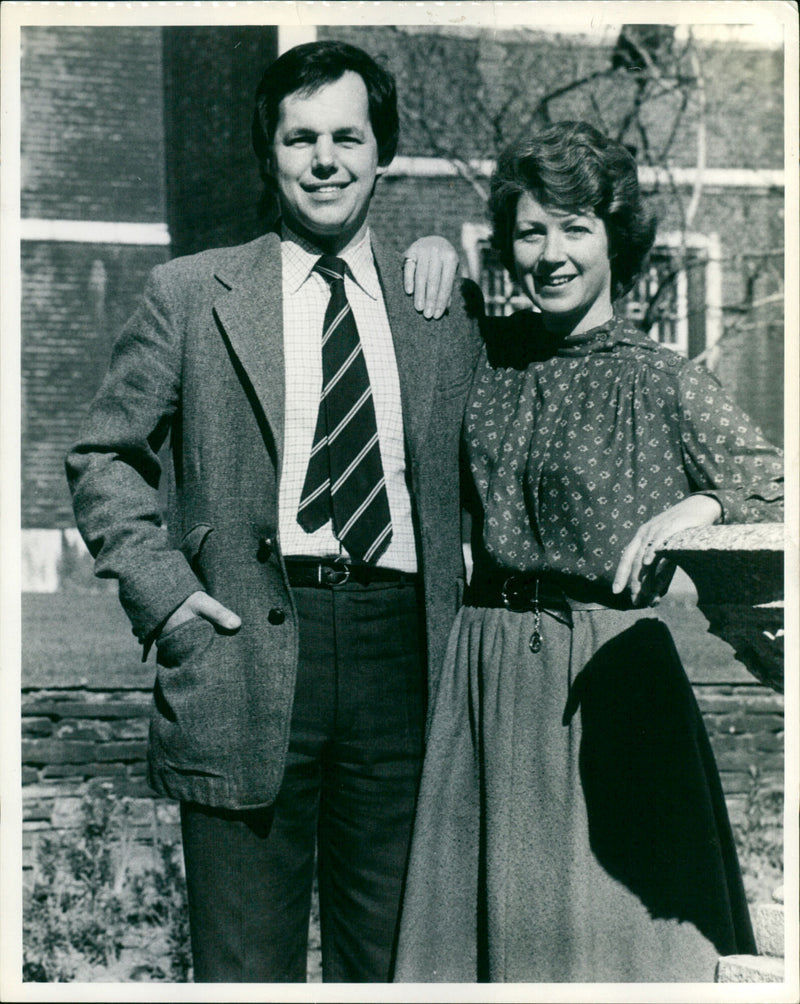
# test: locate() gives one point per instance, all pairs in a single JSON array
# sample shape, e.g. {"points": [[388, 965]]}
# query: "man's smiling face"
{"points": [[325, 162]]}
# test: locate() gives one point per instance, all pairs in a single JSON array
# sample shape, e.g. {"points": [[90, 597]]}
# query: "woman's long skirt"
{"points": [[571, 824]]}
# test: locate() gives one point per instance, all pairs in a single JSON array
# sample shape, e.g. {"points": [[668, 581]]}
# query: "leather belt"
{"points": [[515, 591], [319, 574], [528, 592], [522, 591]]}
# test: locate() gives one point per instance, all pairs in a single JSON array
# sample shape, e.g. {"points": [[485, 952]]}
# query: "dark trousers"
{"points": [[348, 794]]}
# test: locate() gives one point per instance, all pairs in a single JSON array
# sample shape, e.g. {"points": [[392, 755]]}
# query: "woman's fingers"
{"points": [[426, 288], [636, 562], [409, 268], [638, 557], [630, 562]]}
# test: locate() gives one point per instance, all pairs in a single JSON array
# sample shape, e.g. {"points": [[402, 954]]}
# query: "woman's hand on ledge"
{"points": [[429, 271], [647, 578]]}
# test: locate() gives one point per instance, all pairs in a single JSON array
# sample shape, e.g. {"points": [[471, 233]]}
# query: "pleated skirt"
{"points": [[571, 825]]}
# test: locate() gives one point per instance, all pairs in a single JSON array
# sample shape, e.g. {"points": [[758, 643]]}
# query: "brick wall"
{"points": [[454, 77], [407, 208], [76, 297], [92, 141], [92, 148]]}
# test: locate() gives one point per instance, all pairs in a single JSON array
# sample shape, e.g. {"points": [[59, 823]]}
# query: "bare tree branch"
{"points": [[463, 167], [701, 138]]}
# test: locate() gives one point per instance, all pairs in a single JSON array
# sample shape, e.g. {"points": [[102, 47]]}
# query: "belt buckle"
{"points": [[330, 575], [509, 596]]}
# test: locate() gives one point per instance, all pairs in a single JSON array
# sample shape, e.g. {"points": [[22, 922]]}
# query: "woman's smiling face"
{"points": [[562, 263]]}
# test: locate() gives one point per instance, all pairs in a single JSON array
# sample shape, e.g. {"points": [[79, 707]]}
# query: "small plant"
{"points": [[160, 897], [86, 905], [759, 839]]}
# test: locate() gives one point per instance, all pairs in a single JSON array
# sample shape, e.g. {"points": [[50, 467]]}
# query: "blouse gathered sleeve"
{"points": [[725, 454]]}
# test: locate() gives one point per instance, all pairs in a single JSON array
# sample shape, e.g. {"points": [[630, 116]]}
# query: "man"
{"points": [[310, 565]]}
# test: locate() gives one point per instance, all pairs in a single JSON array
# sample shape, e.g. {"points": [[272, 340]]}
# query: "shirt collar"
{"points": [[300, 256]]}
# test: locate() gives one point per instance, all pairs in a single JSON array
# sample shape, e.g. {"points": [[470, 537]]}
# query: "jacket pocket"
{"points": [[191, 698], [188, 639]]}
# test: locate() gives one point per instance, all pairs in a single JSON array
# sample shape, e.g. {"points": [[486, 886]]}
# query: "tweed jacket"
{"points": [[200, 364]]}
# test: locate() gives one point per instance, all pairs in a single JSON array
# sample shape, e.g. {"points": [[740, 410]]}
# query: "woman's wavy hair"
{"points": [[572, 166], [306, 68]]}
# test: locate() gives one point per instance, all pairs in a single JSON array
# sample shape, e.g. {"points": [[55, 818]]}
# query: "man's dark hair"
{"points": [[306, 68], [574, 167]]}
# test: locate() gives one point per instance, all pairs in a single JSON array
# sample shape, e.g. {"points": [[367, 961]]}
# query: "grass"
{"points": [[73, 639]]}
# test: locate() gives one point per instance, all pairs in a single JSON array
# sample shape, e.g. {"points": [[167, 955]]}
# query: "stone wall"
{"points": [[745, 724], [76, 739]]}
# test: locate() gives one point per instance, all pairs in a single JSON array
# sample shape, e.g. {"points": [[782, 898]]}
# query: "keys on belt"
{"points": [[522, 593]]}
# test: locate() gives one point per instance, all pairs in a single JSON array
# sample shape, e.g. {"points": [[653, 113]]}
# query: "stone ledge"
{"points": [[732, 537], [738, 574], [768, 922], [732, 564], [750, 969]]}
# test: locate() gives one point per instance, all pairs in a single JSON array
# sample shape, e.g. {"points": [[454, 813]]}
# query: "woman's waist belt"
{"points": [[525, 591]]}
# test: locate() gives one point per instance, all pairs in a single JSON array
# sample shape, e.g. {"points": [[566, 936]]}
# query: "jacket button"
{"points": [[265, 547], [276, 616]]}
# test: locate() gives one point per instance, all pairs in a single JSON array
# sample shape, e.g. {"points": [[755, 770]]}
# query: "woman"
{"points": [[571, 824]]}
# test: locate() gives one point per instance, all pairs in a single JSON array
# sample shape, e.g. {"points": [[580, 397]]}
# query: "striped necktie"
{"points": [[344, 481]]}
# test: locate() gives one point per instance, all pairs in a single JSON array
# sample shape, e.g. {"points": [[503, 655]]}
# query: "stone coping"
{"points": [[730, 537], [738, 573]]}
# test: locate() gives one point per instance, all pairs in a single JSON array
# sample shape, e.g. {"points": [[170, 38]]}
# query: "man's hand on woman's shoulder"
{"points": [[429, 272]]}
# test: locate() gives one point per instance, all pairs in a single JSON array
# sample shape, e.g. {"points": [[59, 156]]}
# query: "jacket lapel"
{"points": [[250, 312], [416, 348]]}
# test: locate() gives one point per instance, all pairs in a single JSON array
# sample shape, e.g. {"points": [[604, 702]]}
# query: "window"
{"points": [[679, 293]]}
